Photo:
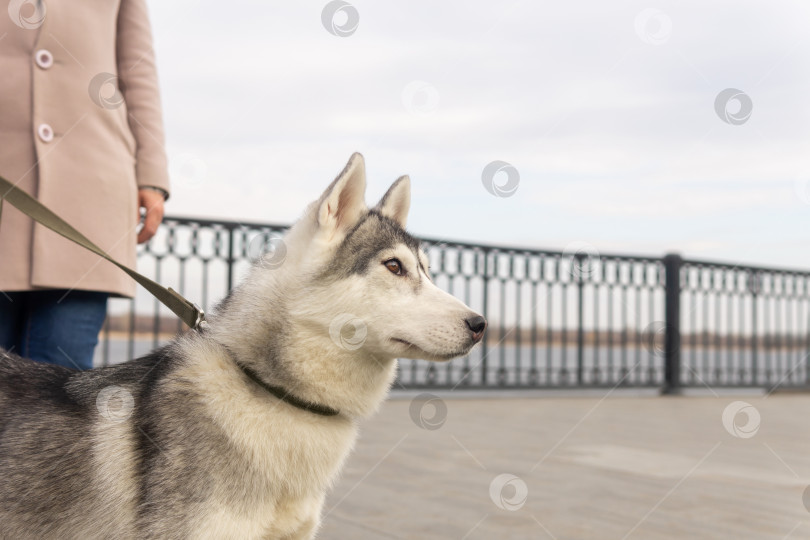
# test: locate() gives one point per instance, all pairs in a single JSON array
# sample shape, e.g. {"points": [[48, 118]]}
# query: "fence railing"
{"points": [[743, 325], [573, 318]]}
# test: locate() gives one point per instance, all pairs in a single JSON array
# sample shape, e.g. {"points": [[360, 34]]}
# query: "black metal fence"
{"points": [[743, 325], [576, 318]]}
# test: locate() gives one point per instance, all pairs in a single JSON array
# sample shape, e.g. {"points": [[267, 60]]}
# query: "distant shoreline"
{"points": [[632, 341]]}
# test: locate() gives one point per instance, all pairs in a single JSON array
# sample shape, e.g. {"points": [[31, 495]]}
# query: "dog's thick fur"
{"points": [[182, 443]]}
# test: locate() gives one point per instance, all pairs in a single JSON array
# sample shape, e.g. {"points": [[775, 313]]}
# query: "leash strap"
{"points": [[189, 312]]}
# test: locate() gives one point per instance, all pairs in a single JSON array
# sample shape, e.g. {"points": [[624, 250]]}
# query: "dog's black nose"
{"points": [[477, 325]]}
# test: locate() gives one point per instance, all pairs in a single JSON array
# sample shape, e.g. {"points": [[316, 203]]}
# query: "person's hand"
{"points": [[152, 201]]}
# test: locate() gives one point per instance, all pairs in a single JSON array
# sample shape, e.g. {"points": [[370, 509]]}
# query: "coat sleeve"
{"points": [[139, 84]]}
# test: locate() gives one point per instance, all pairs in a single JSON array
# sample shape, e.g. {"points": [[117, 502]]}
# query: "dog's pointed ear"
{"points": [[397, 201], [343, 203]]}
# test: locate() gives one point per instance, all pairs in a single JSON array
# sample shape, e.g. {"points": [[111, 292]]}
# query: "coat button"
{"points": [[44, 58], [45, 132]]}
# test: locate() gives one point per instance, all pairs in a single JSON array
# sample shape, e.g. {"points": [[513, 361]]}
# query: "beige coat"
{"points": [[68, 137]]}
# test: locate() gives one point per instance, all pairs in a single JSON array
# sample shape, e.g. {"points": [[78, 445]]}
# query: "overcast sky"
{"points": [[606, 110]]}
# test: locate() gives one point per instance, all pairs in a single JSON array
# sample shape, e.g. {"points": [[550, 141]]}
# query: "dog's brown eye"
{"points": [[394, 266]]}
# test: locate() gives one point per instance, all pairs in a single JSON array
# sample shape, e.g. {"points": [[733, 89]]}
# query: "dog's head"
{"points": [[367, 280]]}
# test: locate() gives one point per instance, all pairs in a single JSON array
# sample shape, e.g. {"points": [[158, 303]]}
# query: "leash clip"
{"points": [[200, 323]]}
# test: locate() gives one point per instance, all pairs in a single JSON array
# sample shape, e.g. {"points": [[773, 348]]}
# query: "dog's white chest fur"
{"points": [[290, 456]]}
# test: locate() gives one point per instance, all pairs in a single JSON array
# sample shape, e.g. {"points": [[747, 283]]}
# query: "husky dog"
{"points": [[238, 430]]}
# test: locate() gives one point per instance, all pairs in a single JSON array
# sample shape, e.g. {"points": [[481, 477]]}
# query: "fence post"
{"points": [[753, 287], [580, 319], [231, 259], [485, 313], [672, 323]]}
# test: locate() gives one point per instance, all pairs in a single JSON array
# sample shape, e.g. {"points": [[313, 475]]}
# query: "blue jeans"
{"points": [[54, 326]]}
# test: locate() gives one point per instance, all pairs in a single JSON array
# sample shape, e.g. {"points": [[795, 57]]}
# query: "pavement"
{"points": [[568, 466]]}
